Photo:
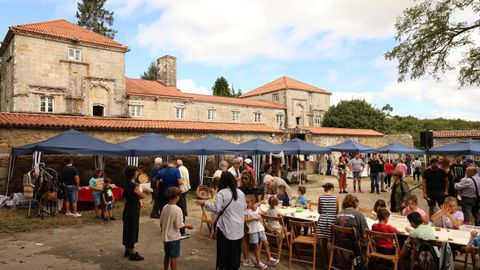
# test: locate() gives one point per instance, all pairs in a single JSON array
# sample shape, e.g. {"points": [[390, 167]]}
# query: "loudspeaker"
{"points": [[426, 139]]}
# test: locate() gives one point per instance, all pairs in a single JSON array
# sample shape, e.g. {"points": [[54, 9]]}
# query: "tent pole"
{"points": [[11, 164]]}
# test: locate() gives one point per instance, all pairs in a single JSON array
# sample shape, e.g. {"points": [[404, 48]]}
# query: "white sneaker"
{"points": [[69, 214], [459, 197], [77, 215], [247, 263]]}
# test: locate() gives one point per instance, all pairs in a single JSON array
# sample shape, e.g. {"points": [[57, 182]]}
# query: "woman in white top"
{"points": [[230, 207]]}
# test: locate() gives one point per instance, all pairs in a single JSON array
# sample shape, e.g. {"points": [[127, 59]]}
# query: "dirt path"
{"points": [[99, 246]]}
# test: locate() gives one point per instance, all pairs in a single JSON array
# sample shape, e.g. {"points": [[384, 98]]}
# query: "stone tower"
{"points": [[167, 70]]}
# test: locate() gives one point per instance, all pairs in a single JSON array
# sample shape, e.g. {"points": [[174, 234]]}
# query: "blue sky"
{"points": [[337, 45]]}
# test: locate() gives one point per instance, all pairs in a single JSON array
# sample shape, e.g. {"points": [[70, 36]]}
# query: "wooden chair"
{"points": [[471, 251], [312, 205], [298, 240], [372, 253], [339, 249], [275, 237], [414, 242], [206, 218]]}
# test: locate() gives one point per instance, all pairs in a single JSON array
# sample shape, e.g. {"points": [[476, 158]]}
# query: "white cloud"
{"points": [[222, 32], [189, 86], [339, 96], [332, 76]]}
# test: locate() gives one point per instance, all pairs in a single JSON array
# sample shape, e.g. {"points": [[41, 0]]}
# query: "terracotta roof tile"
{"points": [[284, 83], [341, 131], [155, 88], [473, 133], [24, 120], [66, 30]]}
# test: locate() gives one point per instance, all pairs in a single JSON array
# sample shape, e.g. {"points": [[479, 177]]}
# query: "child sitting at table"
{"points": [[449, 215], [282, 195], [379, 204], [421, 231], [301, 201], [384, 246], [256, 232], [108, 200], [273, 212], [412, 206]]}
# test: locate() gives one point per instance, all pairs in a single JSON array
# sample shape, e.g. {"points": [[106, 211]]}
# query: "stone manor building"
{"points": [[57, 75]]}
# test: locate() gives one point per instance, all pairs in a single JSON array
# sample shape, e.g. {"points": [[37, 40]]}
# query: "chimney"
{"points": [[167, 70]]}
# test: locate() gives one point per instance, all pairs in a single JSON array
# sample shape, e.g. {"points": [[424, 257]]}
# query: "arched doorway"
{"points": [[99, 99]]}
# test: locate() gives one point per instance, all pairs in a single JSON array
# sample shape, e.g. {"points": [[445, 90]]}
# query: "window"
{"points": [[180, 112], [74, 54], [235, 116], [211, 114], [258, 117], [275, 98], [46, 104], [298, 120], [317, 120], [280, 120], [98, 110], [135, 110]]}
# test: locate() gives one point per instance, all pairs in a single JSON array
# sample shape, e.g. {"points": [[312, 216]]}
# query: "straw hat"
{"points": [[203, 192], [143, 178]]}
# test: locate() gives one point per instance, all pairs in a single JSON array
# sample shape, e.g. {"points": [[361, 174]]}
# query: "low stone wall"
{"points": [[10, 138], [445, 141]]}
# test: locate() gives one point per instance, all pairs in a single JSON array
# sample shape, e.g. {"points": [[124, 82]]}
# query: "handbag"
{"points": [[52, 196], [221, 212]]}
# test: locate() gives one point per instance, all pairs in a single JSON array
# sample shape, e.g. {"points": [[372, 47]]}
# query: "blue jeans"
{"points": [[373, 182]]}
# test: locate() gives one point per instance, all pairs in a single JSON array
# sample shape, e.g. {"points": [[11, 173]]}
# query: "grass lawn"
{"points": [[12, 220]]}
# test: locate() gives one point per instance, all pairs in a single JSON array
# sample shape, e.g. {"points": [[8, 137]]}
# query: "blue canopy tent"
{"points": [[301, 147], [465, 147], [211, 145], [398, 148], [69, 142], [352, 146], [152, 144], [258, 147]]}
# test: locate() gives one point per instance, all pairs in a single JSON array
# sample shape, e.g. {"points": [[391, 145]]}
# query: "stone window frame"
{"points": [[180, 112], [279, 119], [45, 102], [317, 119], [211, 114], [275, 97], [135, 110], [257, 117], [76, 56], [236, 116]]}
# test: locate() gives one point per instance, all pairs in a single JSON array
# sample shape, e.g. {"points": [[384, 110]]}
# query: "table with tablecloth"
{"points": [[85, 197], [457, 237]]}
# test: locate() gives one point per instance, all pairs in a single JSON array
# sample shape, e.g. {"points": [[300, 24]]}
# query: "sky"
{"points": [[337, 45]]}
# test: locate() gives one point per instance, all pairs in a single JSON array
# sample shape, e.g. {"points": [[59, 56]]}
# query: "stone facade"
{"points": [[166, 109], [10, 138], [39, 67], [167, 70]]}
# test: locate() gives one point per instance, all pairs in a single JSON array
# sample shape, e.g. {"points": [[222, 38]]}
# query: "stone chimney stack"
{"points": [[167, 70]]}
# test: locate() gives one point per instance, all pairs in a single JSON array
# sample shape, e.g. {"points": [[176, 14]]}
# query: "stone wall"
{"points": [[42, 68], [10, 138], [405, 139], [164, 109]]}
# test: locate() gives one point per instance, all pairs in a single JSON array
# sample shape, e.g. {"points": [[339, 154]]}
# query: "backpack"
{"points": [[427, 257], [446, 257]]}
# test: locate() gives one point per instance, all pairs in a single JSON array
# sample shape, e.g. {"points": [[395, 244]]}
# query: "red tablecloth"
{"points": [[85, 194]]}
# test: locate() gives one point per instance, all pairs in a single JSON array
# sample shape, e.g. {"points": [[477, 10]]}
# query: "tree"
{"points": [[92, 15], [428, 33], [354, 114], [387, 109], [236, 93], [151, 73], [221, 88]]}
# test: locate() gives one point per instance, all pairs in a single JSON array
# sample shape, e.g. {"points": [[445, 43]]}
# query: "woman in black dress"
{"points": [[131, 213]]}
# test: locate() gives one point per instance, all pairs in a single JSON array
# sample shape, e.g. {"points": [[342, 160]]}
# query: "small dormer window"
{"points": [[74, 54]]}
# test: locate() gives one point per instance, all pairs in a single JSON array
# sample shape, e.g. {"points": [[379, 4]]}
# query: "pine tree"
{"points": [[92, 15], [221, 88], [151, 73]]}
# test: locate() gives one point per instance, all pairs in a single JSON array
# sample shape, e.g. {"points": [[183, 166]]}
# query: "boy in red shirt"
{"points": [[384, 246]]}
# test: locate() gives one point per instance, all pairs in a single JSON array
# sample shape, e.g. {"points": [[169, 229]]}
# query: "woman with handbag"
{"points": [[230, 207], [131, 213]]}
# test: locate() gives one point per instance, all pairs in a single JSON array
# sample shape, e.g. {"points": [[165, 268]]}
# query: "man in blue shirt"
{"points": [[154, 185], [171, 177]]}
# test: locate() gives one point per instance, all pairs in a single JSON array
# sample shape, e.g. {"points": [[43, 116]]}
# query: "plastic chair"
{"points": [[297, 240], [207, 220], [339, 248], [372, 254], [274, 236]]}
